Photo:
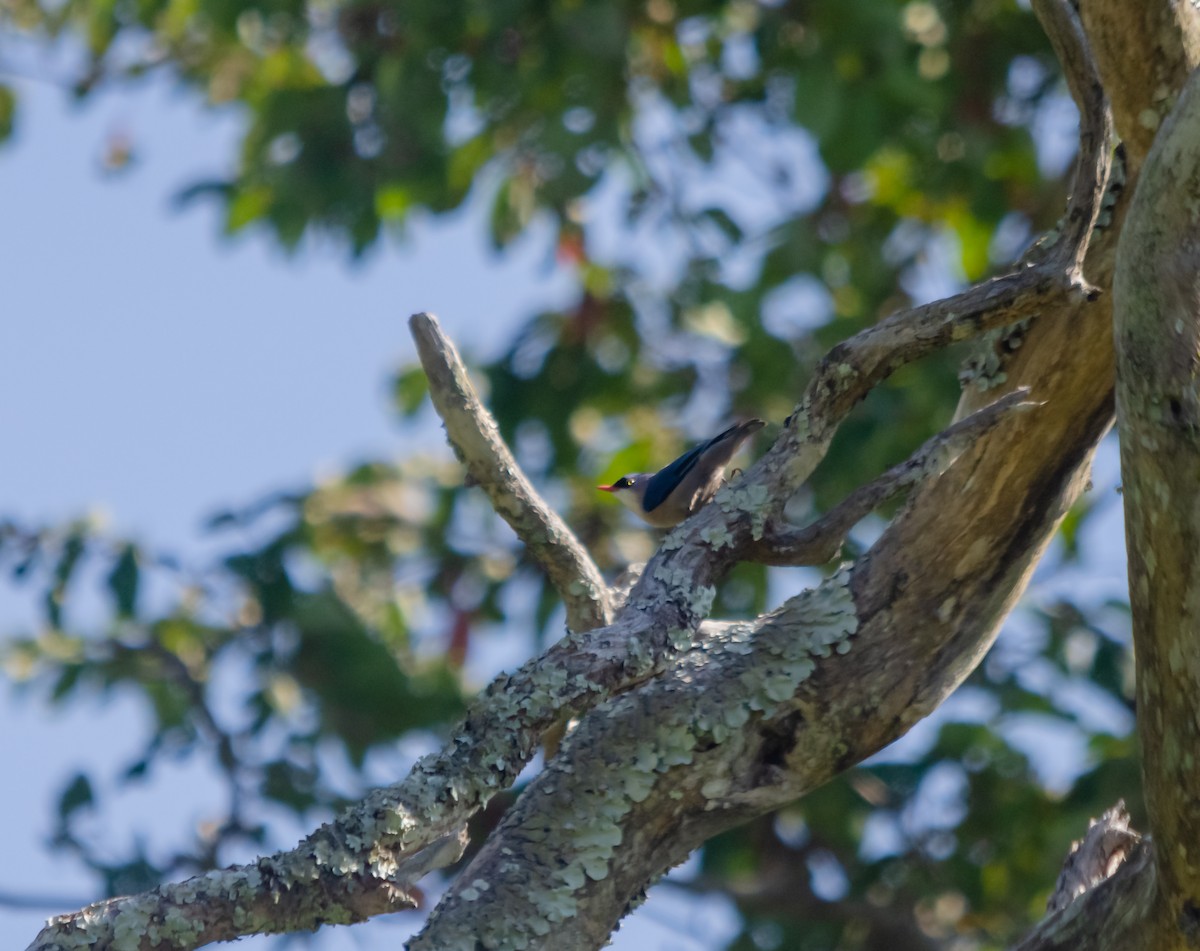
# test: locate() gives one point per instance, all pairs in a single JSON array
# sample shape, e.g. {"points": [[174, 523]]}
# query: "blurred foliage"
{"points": [[8, 109], [736, 186]]}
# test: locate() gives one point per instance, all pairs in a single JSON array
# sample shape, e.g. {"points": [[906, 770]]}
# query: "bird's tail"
{"points": [[739, 431]]}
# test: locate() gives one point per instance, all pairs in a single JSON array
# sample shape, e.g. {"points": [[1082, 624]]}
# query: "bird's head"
{"points": [[630, 489]]}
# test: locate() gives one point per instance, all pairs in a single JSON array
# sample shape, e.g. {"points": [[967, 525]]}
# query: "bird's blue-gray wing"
{"points": [[665, 481], [667, 478]]}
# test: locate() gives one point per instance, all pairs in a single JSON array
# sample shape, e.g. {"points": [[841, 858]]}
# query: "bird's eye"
{"points": [[624, 482]]}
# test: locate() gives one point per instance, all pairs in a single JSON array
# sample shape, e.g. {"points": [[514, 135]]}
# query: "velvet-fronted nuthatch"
{"points": [[667, 497]]}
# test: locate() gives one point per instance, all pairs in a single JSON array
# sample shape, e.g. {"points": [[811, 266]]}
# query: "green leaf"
{"points": [[364, 694], [721, 218], [408, 390], [64, 570], [246, 206], [77, 795], [66, 682], [8, 111], [290, 785], [123, 582]]}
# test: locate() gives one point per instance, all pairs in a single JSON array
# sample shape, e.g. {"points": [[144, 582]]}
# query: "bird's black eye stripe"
{"points": [[624, 482]]}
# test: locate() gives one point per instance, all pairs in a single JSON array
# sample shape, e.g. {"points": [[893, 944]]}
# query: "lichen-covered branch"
{"points": [[647, 776], [476, 439], [364, 862], [976, 532], [367, 850], [553, 876], [921, 634], [1158, 331], [294, 891], [747, 721]]}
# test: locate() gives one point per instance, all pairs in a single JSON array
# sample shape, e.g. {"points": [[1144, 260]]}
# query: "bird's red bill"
{"points": [[607, 488]]}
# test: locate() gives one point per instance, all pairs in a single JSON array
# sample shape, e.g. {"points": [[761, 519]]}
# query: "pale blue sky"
{"points": [[147, 360]]}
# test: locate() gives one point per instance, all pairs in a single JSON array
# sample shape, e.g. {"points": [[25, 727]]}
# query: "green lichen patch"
{"points": [[701, 601], [717, 536], [752, 500], [675, 577], [674, 539]]}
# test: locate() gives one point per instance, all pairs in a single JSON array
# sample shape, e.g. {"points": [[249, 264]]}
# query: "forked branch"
{"points": [[820, 542]]}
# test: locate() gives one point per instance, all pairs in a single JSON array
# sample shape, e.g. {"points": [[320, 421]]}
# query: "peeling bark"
{"points": [[1096, 857], [1114, 915]]}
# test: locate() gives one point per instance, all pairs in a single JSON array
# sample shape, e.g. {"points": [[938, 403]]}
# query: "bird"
{"points": [[665, 498]]}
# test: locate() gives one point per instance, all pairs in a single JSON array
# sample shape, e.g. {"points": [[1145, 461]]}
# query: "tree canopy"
{"points": [[738, 187]]}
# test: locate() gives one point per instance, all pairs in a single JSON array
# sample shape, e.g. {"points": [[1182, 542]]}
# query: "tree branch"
{"points": [[473, 433], [1114, 914], [341, 863], [1065, 32], [820, 542], [646, 777], [294, 891], [981, 526]]}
